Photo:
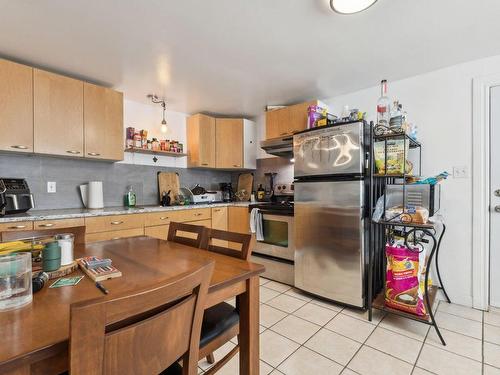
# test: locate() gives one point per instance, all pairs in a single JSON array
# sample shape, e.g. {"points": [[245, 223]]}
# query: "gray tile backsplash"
{"points": [[70, 173]]}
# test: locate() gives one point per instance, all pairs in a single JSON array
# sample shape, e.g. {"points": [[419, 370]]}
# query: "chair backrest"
{"points": [[140, 333], [243, 239], [186, 234]]}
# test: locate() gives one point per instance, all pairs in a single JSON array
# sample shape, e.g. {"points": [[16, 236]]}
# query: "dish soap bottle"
{"points": [[130, 198]]}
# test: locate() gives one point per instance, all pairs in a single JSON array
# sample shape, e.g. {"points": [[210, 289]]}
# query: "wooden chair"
{"points": [[196, 230], [142, 333], [221, 322]]}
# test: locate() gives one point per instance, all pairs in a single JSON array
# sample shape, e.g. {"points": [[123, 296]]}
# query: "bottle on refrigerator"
{"points": [[383, 106]]}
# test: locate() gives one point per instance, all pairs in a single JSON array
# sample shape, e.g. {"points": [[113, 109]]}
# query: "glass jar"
{"points": [[15, 281]]}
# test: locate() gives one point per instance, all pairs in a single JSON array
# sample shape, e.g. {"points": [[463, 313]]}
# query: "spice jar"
{"points": [[155, 144]]}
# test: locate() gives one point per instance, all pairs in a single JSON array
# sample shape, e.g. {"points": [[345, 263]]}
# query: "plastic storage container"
{"points": [[15, 281]]}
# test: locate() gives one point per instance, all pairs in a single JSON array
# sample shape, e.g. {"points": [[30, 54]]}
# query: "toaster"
{"points": [[15, 196]]}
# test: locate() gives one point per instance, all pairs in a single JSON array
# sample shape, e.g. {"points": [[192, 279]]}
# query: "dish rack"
{"points": [[416, 235]]}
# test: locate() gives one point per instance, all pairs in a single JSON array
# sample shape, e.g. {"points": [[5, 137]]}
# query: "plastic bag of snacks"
{"points": [[405, 279]]}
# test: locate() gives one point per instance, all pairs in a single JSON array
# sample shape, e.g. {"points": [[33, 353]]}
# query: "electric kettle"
{"points": [[92, 195]]}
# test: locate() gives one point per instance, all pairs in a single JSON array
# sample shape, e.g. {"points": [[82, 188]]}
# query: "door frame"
{"points": [[481, 188]]}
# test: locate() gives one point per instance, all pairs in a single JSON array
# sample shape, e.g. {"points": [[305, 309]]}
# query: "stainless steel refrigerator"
{"points": [[330, 166]]}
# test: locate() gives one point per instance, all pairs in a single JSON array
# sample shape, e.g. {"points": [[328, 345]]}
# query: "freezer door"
{"points": [[336, 150], [329, 254]]}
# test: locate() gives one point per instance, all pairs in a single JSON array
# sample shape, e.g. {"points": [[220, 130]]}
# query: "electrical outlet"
{"points": [[460, 172], [51, 187]]}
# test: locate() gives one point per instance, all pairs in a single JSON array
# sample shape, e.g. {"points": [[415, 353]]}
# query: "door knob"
{"points": [[497, 192], [497, 208]]}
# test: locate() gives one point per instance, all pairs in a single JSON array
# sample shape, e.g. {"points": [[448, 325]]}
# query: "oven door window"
{"points": [[275, 232]]}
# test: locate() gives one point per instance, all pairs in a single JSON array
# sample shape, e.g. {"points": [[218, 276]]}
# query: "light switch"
{"points": [[461, 172], [51, 187]]}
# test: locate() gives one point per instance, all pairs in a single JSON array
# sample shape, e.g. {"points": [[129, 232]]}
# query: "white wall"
{"points": [[440, 104], [148, 116]]}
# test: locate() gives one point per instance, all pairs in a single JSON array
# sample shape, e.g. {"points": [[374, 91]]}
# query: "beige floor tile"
{"points": [[377, 315], [492, 317], [263, 280], [265, 368], [490, 370], [327, 304], [369, 361], [442, 362], [492, 354], [275, 348], [297, 293], [270, 316], [286, 303], [407, 327], [232, 302], [462, 311], [350, 327], [395, 344], [347, 371], [456, 343], [279, 287], [334, 346], [420, 371], [305, 361], [492, 334], [219, 353], [267, 294], [276, 372], [316, 314], [296, 329], [460, 325]]}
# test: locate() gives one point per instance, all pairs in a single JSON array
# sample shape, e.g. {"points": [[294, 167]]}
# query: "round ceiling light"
{"points": [[350, 6]]}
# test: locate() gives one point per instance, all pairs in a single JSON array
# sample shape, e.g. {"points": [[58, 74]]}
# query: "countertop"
{"points": [[71, 213]]}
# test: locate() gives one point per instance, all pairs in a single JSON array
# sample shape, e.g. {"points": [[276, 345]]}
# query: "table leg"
{"points": [[249, 328]]}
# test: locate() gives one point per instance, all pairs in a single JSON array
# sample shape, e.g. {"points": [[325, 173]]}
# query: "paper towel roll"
{"points": [[95, 198]]}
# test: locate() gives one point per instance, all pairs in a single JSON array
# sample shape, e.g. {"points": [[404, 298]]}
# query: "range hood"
{"points": [[282, 146]]}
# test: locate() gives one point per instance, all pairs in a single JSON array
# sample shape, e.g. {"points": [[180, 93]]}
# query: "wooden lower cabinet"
{"points": [[58, 224], [114, 222], [113, 235], [238, 220], [158, 231], [219, 221]]}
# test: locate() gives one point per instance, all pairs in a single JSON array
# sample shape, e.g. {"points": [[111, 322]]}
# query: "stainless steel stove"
{"points": [[277, 251]]}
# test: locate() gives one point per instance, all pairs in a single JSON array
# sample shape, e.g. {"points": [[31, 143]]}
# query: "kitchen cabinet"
{"points": [[222, 143], [16, 226], [201, 141], [219, 221], [103, 122], [288, 120], [113, 222], [16, 107], [58, 114], [58, 224], [238, 221], [113, 235], [158, 231]]}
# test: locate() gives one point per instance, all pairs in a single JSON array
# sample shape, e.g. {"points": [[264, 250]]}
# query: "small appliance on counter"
{"points": [[198, 195], [15, 196], [227, 191], [92, 195]]}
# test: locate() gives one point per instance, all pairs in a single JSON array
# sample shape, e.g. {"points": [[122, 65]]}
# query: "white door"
{"points": [[495, 197]]}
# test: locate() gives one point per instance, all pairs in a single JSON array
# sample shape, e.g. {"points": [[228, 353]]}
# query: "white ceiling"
{"points": [[236, 56]]}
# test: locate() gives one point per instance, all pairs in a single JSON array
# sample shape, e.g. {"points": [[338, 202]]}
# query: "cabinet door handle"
{"points": [[204, 163], [20, 147], [18, 227], [284, 134], [236, 165], [164, 218], [198, 214], [116, 238], [217, 210], [93, 154], [47, 225], [73, 152], [116, 222], [497, 208]]}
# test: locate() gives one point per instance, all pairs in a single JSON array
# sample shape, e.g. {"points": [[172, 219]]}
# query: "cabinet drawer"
{"points": [[56, 224], [16, 227], [113, 235], [161, 218], [194, 214], [159, 231], [113, 223]]}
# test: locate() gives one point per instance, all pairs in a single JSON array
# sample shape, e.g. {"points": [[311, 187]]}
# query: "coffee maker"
{"points": [[227, 191]]}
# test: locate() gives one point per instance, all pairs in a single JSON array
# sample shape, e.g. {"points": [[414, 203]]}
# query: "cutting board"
{"points": [[168, 181], [245, 182]]}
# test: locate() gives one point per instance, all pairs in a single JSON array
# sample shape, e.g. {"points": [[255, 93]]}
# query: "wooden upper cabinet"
{"points": [[103, 122], [289, 120], [201, 141], [58, 114], [16, 107], [229, 143]]}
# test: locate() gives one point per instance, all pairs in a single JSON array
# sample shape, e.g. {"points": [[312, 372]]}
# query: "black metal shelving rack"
{"points": [[414, 234]]}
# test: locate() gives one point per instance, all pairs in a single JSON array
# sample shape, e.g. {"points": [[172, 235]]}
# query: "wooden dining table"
{"points": [[34, 339]]}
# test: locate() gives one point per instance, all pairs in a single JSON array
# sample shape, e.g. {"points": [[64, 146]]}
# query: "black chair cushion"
{"points": [[217, 320], [174, 369]]}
